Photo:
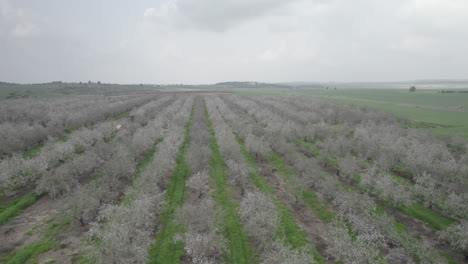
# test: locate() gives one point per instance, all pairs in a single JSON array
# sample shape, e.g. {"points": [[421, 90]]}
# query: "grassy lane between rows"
{"points": [[68, 130], [240, 251], [121, 116], [128, 199], [289, 230], [165, 249], [310, 199], [434, 220], [331, 162], [16, 207], [31, 251], [31, 153]]}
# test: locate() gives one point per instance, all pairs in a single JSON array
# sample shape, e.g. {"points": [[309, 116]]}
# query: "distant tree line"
{"points": [[453, 91]]}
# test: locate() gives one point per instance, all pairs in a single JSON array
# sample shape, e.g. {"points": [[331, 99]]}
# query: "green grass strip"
{"points": [[330, 161], [31, 153], [69, 129], [16, 207], [399, 227], [31, 251], [448, 258], [128, 199], [314, 150], [121, 116], [149, 156], [279, 164], [166, 250], [435, 221], [240, 251], [257, 179], [320, 210], [400, 180], [289, 230], [54, 228]]}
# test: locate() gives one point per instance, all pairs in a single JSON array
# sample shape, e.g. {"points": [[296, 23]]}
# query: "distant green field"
{"points": [[35, 91], [9, 91], [420, 97], [445, 122]]}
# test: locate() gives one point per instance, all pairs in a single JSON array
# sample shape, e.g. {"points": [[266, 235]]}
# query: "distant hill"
{"points": [[230, 85], [59, 88], [304, 84], [7, 84], [436, 84], [447, 81]]}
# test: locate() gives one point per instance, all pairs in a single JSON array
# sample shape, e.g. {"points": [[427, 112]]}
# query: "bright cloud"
{"points": [[203, 41], [16, 21]]}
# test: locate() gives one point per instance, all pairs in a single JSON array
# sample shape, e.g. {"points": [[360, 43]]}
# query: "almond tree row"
{"points": [[28, 123], [124, 232], [373, 237], [397, 165], [258, 212], [435, 167], [115, 175], [202, 239], [59, 167], [17, 172], [105, 185]]}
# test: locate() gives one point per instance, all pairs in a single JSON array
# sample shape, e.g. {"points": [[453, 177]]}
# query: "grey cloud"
{"points": [[16, 22], [214, 15], [189, 41]]}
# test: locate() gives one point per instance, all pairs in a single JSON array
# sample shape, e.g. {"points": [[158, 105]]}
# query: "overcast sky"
{"points": [[206, 41]]}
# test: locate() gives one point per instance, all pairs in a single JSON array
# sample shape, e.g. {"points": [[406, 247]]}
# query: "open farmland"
{"points": [[443, 113], [213, 178]]}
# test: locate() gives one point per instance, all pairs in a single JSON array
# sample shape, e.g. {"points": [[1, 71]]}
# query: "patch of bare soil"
{"points": [[22, 230]]}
